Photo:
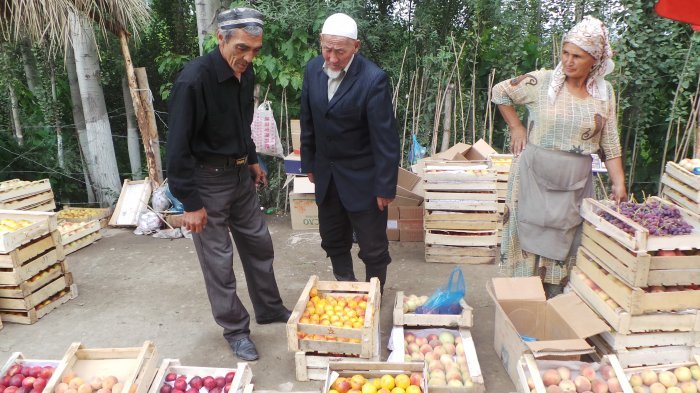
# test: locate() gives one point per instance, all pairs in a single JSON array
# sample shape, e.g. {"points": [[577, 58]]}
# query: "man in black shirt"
{"points": [[213, 171]]}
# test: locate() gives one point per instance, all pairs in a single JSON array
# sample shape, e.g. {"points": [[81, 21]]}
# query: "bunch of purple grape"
{"points": [[659, 219]]}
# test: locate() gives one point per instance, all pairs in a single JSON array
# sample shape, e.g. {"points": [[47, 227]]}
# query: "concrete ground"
{"points": [[135, 288]]}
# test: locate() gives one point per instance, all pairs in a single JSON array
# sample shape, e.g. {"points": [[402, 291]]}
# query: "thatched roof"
{"points": [[46, 21]]}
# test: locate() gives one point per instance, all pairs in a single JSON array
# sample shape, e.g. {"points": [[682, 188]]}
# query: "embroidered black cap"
{"points": [[239, 17]]}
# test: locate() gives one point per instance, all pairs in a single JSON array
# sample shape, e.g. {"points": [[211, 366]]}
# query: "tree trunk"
{"points": [[56, 118], [103, 170], [29, 62], [206, 19], [579, 10], [447, 123], [79, 119], [150, 117], [19, 135], [132, 133]]}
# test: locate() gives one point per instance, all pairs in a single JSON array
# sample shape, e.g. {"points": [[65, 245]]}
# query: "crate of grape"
{"points": [[30, 374], [18, 228], [670, 378], [105, 370], [172, 377], [449, 355], [408, 312], [652, 225], [549, 376], [371, 377], [336, 317]]}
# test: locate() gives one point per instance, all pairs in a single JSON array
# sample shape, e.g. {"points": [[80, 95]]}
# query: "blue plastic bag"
{"points": [[445, 300], [417, 151]]}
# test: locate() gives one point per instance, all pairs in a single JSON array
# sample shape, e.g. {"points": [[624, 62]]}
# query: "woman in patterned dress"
{"points": [[571, 114]]}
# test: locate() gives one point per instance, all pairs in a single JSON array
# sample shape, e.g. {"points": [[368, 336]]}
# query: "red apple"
{"points": [[10, 389], [26, 370], [36, 372], [2, 387], [46, 372], [14, 369], [170, 377], [227, 388], [229, 376], [180, 384], [177, 391], [196, 382], [28, 383], [40, 384], [16, 380], [192, 390], [220, 382], [5, 381], [215, 390], [209, 383], [166, 388]]}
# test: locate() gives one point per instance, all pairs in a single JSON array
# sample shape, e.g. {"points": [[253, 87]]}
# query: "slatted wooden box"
{"points": [[82, 242], [682, 187], [464, 320], [372, 370], [625, 323], [365, 338], [470, 255], [649, 355], [19, 359], [243, 374], [314, 366], [669, 366], [456, 220], [82, 214], [26, 261], [41, 224], [14, 189], [134, 367]]}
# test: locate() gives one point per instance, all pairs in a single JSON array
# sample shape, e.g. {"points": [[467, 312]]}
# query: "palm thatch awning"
{"points": [[46, 21]]}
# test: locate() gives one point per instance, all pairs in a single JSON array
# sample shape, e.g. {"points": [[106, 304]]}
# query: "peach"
{"points": [[454, 375], [412, 347], [614, 385], [85, 388], [582, 384], [599, 386], [455, 383], [588, 372], [417, 356], [96, 383], [118, 387], [695, 372], [446, 359], [636, 380], [436, 382], [410, 337], [67, 377], [668, 378], [459, 350], [75, 383], [674, 389], [530, 383], [553, 389], [431, 356], [425, 348], [689, 387], [435, 365], [564, 373], [421, 340], [439, 351], [61, 387], [434, 343], [567, 385], [638, 389], [342, 386], [606, 371], [416, 379], [551, 377], [449, 348], [657, 387], [649, 377], [683, 374], [432, 337], [109, 382]]}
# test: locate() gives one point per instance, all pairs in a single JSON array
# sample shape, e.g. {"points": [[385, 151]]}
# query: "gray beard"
{"points": [[333, 74]]}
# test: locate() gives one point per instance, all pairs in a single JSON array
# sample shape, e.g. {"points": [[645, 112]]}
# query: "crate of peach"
{"points": [[105, 370], [172, 377], [409, 311], [672, 378], [26, 374], [336, 317], [550, 376], [375, 377], [18, 228]]}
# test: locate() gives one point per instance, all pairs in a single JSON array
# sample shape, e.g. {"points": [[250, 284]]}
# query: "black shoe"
{"points": [[245, 349], [283, 317]]}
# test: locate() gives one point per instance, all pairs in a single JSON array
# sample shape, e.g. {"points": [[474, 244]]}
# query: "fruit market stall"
{"points": [[18, 194], [334, 320], [174, 377], [681, 183]]}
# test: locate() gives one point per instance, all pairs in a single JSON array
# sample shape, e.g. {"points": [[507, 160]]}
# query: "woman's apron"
{"points": [[552, 185]]}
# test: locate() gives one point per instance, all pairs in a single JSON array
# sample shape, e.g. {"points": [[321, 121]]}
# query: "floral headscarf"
{"points": [[590, 35]]}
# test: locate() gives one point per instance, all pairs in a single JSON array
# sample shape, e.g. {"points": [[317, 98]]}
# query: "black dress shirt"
{"points": [[210, 112]]}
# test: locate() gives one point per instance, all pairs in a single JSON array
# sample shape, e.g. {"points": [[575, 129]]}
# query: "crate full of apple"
{"points": [[336, 317], [549, 376], [410, 310], [172, 377], [375, 377], [678, 378], [21, 375]]}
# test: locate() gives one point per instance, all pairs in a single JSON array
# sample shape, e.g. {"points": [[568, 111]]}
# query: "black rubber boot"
{"points": [[380, 273], [342, 268]]}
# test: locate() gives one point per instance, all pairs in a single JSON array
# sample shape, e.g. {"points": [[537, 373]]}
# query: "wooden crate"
{"points": [[634, 299], [28, 201], [669, 366], [33, 315], [625, 323], [462, 201], [132, 366], [680, 199], [641, 240], [26, 288], [461, 238], [82, 242], [27, 261], [437, 253], [371, 370], [243, 377], [501, 162], [81, 214], [37, 297], [314, 366], [367, 334], [637, 268], [530, 368], [465, 319], [16, 189], [683, 175], [71, 233], [42, 224], [448, 220], [693, 194], [617, 341], [48, 207], [18, 358]]}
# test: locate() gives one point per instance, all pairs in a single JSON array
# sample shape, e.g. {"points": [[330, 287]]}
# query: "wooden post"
{"points": [[153, 173], [147, 102], [447, 123]]}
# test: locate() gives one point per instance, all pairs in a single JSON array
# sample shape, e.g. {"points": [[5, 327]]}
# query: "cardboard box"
{"points": [[302, 185], [409, 189], [295, 129], [304, 211], [480, 151], [411, 223], [292, 164], [392, 223], [557, 327]]}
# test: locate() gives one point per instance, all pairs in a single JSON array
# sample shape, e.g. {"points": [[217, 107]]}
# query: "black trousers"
{"points": [[233, 210], [336, 226]]}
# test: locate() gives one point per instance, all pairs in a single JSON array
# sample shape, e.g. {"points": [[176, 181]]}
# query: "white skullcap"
{"points": [[340, 25]]}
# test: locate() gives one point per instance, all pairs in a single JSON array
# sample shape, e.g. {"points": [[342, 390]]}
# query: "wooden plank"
{"points": [[461, 238], [465, 319], [82, 214], [32, 316], [70, 232], [695, 361], [692, 194], [22, 254], [82, 242], [639, 357], [624, 323], [26, 202], [466, 197], [16, 189], [41, 224], [16, 276], [683, 175], [34, 298], [464, 206], [313, 367], [680, 199], [19, 358], [34, 283], [460, 186], [133, 200], [618, 341]]}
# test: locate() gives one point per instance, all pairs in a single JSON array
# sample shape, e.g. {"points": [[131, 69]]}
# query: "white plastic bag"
{"points": [[264, 131], [149, 222]]}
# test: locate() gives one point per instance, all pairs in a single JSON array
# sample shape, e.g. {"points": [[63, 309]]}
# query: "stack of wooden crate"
{"points": [[27, 195], [33, 276], [646, 287], [76, 235], [681, 187], [461, 212], [316, 343], [85, 214], [501, 163]]}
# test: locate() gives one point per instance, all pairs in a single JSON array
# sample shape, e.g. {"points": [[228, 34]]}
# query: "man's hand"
{"points": [[619, 193], [195, 221], [518, 139], [383, 202], [311, 177], [258, 175]]}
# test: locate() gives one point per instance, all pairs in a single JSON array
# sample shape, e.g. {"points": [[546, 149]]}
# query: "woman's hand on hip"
{"points": [[518, 139], [618, 193]]}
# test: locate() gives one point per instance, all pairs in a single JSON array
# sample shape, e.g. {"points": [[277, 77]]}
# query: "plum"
{"points": [[229, 376], [180, 384], [16, 380], [220, 382], [170, 377], [196, 382], [209, 383], [166, 388]]}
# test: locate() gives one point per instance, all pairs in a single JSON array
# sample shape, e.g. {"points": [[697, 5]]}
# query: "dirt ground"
{"points": [[135, 288]]}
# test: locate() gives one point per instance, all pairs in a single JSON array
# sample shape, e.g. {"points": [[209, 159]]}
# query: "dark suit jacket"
{"points": [[352, 138]]}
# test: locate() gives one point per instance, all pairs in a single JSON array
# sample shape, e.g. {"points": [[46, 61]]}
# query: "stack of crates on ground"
{"points": [[501, 164], [646, 287], [86, 214], [76, 235], [18, 194], [681, 187], [33, 276], [334, 321], [461, 212], [418, 337]]}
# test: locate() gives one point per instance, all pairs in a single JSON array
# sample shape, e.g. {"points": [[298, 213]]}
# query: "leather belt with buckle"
{"points": [[222, 161]]}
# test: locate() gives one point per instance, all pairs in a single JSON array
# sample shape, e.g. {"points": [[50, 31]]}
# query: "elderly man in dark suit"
{"points": [[349, 149]]}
